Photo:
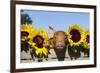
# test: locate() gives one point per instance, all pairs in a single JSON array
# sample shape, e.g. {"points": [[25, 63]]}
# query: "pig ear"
{"points": [[51, 32]]}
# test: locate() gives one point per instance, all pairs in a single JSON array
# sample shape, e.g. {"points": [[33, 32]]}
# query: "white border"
{"points": [[52, 64]]}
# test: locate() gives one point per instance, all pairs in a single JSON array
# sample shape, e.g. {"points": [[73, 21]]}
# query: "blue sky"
{"points": [[57, 20]]}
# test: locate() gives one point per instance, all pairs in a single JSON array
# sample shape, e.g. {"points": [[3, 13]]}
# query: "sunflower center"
{"points": [[87, 39], [24, 33], [76, 36], [39, 41]]}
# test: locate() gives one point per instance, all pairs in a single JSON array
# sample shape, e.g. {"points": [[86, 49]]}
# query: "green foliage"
{"points": [[25, 19]]}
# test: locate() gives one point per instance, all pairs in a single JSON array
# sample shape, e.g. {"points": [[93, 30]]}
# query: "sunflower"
{"points": [[75, 35], [86, 42], [26, 31], [37, 40], [42, 33], [41, 51]]}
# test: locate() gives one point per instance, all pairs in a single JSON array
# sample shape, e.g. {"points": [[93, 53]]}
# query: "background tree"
{"points": [[25, 19]]}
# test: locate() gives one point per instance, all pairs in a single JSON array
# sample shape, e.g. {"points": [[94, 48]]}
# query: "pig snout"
{"points": [[60, 45]]}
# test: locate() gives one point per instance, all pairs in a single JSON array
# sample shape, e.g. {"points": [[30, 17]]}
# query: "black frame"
{"points": [[13, 41]]}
